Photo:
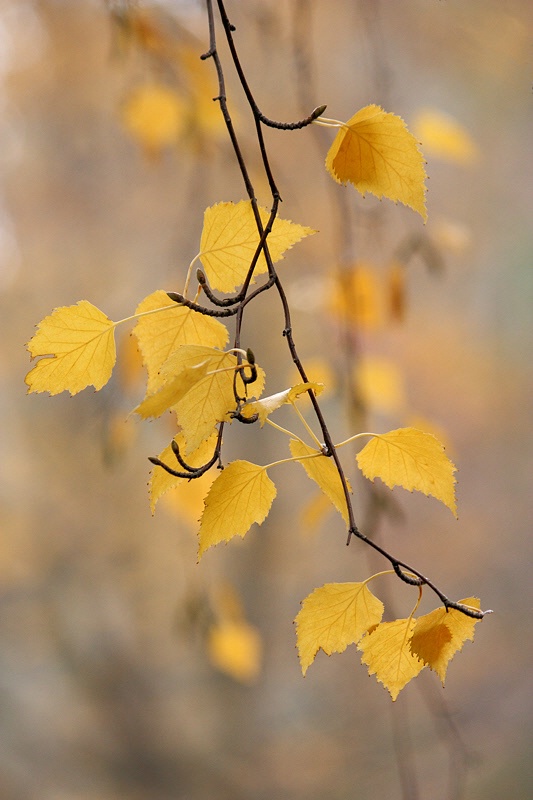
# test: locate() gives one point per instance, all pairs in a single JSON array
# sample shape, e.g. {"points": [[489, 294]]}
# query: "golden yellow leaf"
{"points": [[438, 636], [241, 495], [313, 512], [161, 333], [185, 502], [230, 239], [154, 115], [235, 648], [161, 480], [130, 371], [318, 370], [442, 135], [211, 399], [78, 348], [267, 405], [172, 391], [334, 616], [380, 384], [357, 297], [413, 459], [322, 471], [387, 654], [375, 151]]}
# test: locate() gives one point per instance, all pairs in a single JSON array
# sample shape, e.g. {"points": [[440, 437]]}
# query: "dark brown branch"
{"points": [[209, 312], [191, 472], [400, 567]]}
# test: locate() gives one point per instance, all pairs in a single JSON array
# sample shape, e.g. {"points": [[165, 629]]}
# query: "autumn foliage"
{"points": [[209, 386]]}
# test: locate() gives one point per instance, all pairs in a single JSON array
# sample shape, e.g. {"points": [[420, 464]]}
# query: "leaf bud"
{"points": [[178, 298], [250, 356], [318, 111]]}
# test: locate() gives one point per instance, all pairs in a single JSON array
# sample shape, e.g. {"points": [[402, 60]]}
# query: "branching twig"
{"points": [[237, 305]]}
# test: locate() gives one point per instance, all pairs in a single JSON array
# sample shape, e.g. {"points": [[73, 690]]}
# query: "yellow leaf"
{"points": [[410, 458], [380, 384], [387, 654], [322, 471], [313, 512], [267, 405], [161, 333], [154, 115], [234, 647], [318, 370], [438, 636], [444, 136], [79, 344], [303, 388], [230, 239], [130, 366], [334, 616], [185, 502], [356, 297], [172, 391], [241, 495], [376, 152], [211, 399], [161, 480]]}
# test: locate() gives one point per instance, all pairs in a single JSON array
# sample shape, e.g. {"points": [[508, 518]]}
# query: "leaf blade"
{"points": [[439, 635], [375, 151], [386, 653], [334, 616], [171, 392], [211, 399], [241, 496], [160, 334], [230, 239], [77, 349], [162, 481], [267, 405], [235, 647], [412, 459], [323, 472]]}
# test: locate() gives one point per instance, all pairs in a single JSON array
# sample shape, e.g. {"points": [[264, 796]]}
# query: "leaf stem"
{"points": [[284, 430], [353, 438], [295, 458], [189, 272], [420, 590], [144, 314], [379, 574], [329, 123], [306, 426]]}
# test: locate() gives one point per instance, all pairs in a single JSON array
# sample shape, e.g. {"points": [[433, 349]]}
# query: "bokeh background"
{"points": [[115, 678]]}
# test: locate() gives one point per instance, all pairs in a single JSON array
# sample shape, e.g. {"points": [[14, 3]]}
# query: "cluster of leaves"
{"points": [[207, 386], [339, 614]]}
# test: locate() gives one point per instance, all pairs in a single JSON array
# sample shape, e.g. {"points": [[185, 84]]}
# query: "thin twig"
{"points": [[403, 570]]}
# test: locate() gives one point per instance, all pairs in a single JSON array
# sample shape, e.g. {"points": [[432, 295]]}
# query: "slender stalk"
{"points": [[306, 426], [143, 314], [283, 430]]}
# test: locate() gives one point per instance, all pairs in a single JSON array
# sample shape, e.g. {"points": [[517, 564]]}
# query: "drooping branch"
{"points": [[239, 303]]}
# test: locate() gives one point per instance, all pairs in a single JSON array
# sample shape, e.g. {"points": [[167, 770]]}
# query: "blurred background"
{"points": [[129, 672]]}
